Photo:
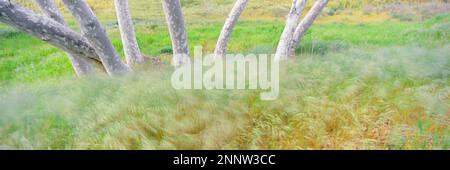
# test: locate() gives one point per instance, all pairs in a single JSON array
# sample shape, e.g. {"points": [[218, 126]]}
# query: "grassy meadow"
{"points": [[368, 75]]}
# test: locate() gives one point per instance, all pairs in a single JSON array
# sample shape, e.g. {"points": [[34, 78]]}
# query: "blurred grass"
{"points": [[360, 81], [385, 98]]}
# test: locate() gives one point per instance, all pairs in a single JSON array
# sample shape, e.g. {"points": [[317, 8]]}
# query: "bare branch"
{"points": [[47, 30], [292, 20], [132, 52], [178, 33], [96, 35], [306, 24], [81, 66], [233, 17]]}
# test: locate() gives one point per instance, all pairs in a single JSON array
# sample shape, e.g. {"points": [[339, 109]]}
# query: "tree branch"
{"points": [[80, 65], [132, 52], [292, 20], [305, 25], [47, 30], [96, 35], [177, 29], [233, 17]]}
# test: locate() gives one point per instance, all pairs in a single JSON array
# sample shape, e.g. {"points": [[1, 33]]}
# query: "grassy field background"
{"points": [[368, 75]]}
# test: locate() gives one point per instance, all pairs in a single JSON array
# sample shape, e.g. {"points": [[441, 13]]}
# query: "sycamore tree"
{"points": [[91, 50]]}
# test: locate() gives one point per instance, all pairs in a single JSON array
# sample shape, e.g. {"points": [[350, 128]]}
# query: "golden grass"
{"points": [[353, 99], [217, 10], [350, 11]]}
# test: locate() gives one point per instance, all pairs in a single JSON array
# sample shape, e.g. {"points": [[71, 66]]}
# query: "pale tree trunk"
{"points": [[306, 24], [233, 17], [292, 20], [96, 34], [81, 66], [177, 29], [47, 30], [132, 52]]}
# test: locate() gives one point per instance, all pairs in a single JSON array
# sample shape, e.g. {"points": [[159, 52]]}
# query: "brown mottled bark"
{"points": [[80, 65], [96, 35], [292, 20], [132, 52], [306, 23], [177, 29], [233, 17], [47, 30]]}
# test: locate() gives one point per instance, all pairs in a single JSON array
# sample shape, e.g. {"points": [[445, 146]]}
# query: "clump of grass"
{"points": [[392, 98], [320, 47]]}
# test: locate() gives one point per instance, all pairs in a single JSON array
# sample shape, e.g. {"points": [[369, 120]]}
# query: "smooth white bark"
{"points": [[131, 48], [80, 65], [47, 30], [96, 35], [178, 33], [306, 23], [232, 19], [292, 20]]}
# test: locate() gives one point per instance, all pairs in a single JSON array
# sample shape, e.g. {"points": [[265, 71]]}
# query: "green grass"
{"points": [[25, 59], [368, 85]]}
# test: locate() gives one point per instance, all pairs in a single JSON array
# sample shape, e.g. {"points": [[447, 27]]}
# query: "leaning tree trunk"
{"points": [[306, 24], [47, 30], [132, 53], [177, 29], [292, 20], [222, 43], [96, 34], [81, 66]]}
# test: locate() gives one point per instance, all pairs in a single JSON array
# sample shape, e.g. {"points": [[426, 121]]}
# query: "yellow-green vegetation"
{"points": [[25, 59], [363, 79], [388, 98], [216, 10]]}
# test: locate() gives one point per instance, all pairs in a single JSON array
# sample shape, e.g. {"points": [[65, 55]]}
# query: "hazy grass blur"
{"points": [[388, 98], [369, 75]]}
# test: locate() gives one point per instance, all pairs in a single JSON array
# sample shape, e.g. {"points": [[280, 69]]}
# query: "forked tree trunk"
{"points": [[233, 17], [132, 52], [47, 30], [306, 24], [81, 66], [177, 29], [96, 34], [292, 20]]}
